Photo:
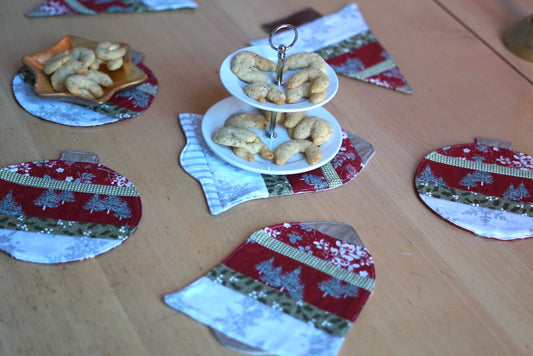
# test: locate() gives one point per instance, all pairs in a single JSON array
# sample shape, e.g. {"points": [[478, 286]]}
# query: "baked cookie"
{"points": [[263, 91], [286, 150], [304, 91], [305, 60], [234, 137], [246, 121], [319, 130], [318, 79], [293, 118], [248, 67], [249, 150]]}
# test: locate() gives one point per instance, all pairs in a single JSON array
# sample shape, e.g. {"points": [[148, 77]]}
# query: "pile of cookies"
{"points": [[307, 133], [77, 70], [309, 81]]}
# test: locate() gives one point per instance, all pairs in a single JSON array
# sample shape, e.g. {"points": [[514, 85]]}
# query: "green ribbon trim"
{"points": [[70, 186], [65, 228], [137, 6], [275, 245], [375, 69], [320, 319], [347, 45], [277, 185], [354, 43], [331, 175], [479, 166], [475, 199], [114, 111], [79, 7]]}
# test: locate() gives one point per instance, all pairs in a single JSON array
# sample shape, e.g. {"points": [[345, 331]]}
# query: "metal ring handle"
{"points": [[279, 28]]}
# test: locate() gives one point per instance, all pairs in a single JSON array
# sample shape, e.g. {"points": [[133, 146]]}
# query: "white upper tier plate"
{"points": [[235, 86]]}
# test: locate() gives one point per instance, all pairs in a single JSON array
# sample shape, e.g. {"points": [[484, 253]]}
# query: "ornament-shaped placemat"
{"points": [[123, 105], [64, 210], [347, 44], [290, 289], [484, 188], [226, 186], [94, 7]]}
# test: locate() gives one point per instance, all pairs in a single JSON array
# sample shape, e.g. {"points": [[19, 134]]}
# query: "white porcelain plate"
{"points": [[235, 86], [215, 117]]}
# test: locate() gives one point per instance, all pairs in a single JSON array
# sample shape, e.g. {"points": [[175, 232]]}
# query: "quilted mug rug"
{"points": [[346, 43], [226, 186], [123, 105], [307, 280], [482, 188], [57, 211]]}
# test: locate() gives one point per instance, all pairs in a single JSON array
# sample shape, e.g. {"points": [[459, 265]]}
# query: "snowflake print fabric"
{"points": [[307, 279], [93, 7], [59, 211], [344, 40], [123, 105], [484, 189]]}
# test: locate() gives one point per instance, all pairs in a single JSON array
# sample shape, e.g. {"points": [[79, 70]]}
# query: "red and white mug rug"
{"points": [[57, 211], [307, 280], [484, 187]]}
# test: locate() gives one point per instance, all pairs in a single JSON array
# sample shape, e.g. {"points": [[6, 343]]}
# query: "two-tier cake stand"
{"points": [[239, 102]]}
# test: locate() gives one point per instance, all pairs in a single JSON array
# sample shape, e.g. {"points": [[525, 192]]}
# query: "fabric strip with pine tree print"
{"points": [[298, 279], [320, 319]]}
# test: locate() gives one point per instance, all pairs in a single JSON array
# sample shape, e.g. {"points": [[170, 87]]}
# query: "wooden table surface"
{"points": [[439, 290]]}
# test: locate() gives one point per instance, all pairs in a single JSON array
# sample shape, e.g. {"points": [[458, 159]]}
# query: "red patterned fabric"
{"points": [[73, 209], [134, 100], [91, 7], [250, 254], [347, 165]]}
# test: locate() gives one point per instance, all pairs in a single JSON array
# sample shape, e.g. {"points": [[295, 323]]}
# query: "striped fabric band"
{"points": [[70, 186], [76, 5], [275, 245], [113, 111], [320, 319], [479, 166], [331, 175], [475, 199], [65, 228], [350, 44], [375, 70], [137, 5], [195, 162]]}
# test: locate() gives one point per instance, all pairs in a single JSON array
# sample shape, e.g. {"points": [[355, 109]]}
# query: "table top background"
{"points": [[439, 289]]}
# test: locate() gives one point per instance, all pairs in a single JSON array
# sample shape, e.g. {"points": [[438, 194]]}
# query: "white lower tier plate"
{"points": [[215, 117]]}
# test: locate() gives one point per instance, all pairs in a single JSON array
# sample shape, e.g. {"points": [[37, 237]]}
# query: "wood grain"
{"points": [[439, 290]]}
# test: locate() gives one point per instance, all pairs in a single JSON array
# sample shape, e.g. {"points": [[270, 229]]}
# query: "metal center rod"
{"points": [[275, 116]]}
